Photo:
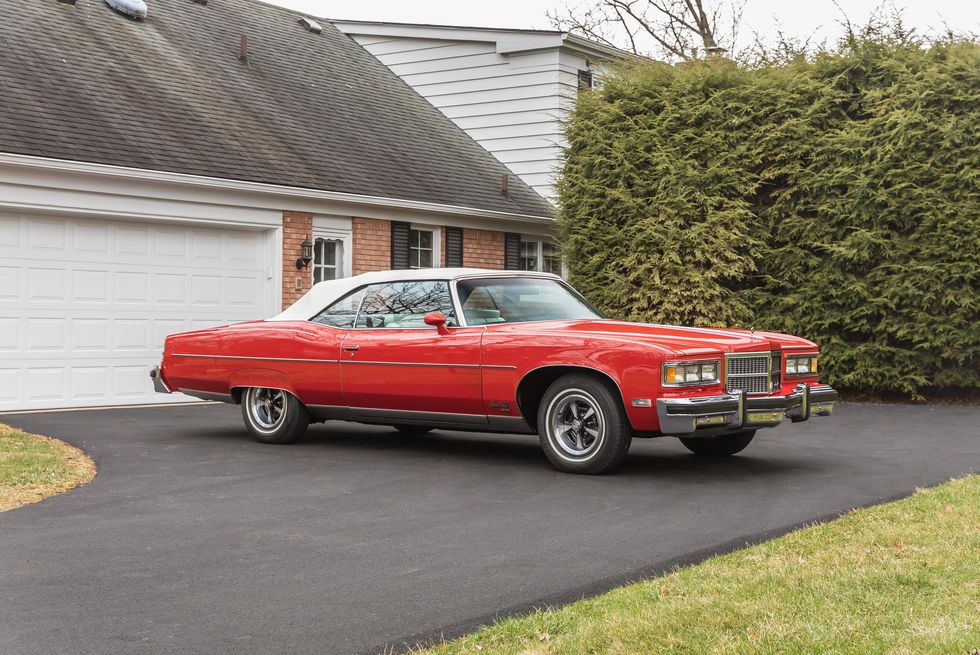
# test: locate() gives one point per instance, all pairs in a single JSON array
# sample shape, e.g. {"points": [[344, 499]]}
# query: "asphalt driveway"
{"points": [[195, 539]]}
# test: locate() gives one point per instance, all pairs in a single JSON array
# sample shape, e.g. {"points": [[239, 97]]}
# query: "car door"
{"points": [[315, 353], [395, 368]]}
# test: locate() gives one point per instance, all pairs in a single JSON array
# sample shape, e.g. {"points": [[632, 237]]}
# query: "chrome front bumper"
{"points": [[734, 411], [158, 384]]}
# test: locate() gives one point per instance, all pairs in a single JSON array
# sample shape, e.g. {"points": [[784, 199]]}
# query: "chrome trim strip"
{"points": [[263, 359], [337, 361], [357, 361], [416, 416]]}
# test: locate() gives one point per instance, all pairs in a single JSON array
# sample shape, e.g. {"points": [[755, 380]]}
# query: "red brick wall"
{"points": [[483, 248], [371, 243], [296, 226]]}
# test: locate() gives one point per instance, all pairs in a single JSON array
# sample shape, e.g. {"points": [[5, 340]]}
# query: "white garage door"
{"points": [[85, 304]]}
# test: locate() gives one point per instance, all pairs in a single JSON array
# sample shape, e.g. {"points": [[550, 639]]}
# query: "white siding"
{"points": [[512, 104]]}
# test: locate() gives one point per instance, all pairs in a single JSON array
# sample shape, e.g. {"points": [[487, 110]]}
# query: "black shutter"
{"points": [[512, 251], [399, 245], [454, 246]]}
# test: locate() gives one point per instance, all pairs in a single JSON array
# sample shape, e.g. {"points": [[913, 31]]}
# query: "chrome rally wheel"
{"points": [[274, 415], [576, 424], [582, 424], [267, 408]]}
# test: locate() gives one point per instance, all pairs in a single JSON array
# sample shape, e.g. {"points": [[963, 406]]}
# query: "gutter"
{"points": [[201, 181]]}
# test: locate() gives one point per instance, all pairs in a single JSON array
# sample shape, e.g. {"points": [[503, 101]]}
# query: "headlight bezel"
{"points": [[700, 365], [792, 365]]}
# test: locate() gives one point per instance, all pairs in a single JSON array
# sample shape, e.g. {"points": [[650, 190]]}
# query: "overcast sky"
{"points": [[797, 18]]}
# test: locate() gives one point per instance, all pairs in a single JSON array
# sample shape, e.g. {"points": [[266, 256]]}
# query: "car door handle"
{"points": [[352, 348]]}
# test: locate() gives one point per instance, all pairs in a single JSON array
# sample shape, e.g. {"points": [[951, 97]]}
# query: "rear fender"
{"points": [[259, 377]]}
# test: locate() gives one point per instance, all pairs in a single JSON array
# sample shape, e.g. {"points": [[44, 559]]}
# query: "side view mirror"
{"points": [[438, 320]]}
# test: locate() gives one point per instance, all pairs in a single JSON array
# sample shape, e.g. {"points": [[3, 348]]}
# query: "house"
{"points": [[163, 174], [508, 89]]}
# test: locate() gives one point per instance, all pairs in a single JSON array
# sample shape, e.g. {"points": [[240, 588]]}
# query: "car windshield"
{"points": [[487, 301]]}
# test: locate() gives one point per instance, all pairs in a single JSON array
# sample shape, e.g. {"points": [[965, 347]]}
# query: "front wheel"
{"points": [[720, 445], [273, 415], [583, 426]]}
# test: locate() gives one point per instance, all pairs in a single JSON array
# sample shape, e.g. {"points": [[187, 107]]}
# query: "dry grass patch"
{"points": [[33, 467], [899, 578]]}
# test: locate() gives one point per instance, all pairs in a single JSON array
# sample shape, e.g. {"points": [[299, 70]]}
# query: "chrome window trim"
{"points": [[461, 317], [360, 306]]}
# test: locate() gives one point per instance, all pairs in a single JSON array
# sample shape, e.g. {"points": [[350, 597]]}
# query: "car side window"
{"points": [[404, 304], [341, 313]]}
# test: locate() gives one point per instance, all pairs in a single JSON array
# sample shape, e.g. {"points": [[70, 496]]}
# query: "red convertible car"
{"points": [[496, 351]]}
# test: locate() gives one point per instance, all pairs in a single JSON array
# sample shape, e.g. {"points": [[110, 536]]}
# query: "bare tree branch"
{"points": [[672, 29]]}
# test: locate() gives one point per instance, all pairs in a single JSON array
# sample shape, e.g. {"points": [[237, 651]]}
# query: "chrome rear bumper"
{"points": [[734, 411], [158, 384]]}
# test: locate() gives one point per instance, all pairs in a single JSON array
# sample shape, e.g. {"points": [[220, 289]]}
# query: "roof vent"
{"points": [[132, 8], [310, 25]]}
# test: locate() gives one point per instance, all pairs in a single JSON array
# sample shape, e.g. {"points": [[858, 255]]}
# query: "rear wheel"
{"points": [[719, 446], [414, 429], [582, 425], [273, 415]]}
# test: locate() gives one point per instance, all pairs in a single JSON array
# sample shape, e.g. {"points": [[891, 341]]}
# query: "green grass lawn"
{"points": [[902, 577], [33, 467]]}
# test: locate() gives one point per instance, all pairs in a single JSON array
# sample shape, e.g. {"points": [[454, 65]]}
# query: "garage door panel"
{"points": [[47, 284], [46, 335], [85, 305], [46, 238], [90, 238], [10, 334], [10, 283], [89, 286]]}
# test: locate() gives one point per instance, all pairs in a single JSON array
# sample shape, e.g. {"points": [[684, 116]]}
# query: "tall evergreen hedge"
{"points": [[835, 197]]}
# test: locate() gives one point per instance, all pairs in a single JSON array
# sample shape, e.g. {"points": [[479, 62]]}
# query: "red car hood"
{"points": [[670, 338]]}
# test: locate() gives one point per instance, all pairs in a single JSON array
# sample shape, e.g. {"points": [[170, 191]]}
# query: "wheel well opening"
{"points": [[531, 389]]}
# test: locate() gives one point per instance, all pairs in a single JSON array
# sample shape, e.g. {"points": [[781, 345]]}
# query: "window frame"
{"points": [[539, 243], [337, 266], [450, 285], [340, 233], [461, 317], [436, 232]]}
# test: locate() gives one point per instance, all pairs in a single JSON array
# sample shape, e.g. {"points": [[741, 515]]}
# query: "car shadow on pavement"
{"points": [[657, 458]]}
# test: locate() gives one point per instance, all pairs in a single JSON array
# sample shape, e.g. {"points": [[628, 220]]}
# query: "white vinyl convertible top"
{"points": [[324, 293]]}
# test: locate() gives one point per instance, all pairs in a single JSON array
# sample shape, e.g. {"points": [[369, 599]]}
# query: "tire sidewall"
{"points": [[292, 427], [615, 435]]}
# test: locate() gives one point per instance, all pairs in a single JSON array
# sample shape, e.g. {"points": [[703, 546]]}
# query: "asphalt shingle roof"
{"points": [[169, 93]]}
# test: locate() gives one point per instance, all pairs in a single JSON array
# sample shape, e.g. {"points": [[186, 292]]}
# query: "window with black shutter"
{"points": [[400, 245], [454, 246], [512, 251]]}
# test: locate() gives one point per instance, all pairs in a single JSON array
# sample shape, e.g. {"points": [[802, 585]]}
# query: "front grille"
{"points": [[749, 373]]}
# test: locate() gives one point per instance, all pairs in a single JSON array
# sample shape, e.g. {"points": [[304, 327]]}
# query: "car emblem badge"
{"points": [[500, 404]]}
